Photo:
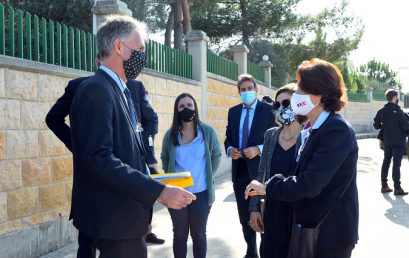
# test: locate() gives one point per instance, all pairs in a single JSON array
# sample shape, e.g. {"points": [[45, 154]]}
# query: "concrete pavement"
{"points": [[384, 218]]}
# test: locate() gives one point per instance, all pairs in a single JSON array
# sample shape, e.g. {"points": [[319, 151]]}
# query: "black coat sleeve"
{"points": [[228, 142], [55, 118], [377, 120], [329, 155], [149, 116]]}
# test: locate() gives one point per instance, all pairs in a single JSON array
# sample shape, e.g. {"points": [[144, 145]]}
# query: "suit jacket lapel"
{"points": [[124, 107], [236, 124]]}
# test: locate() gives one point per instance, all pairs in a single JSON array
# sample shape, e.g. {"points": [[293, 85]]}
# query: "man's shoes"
{"points": [[153, 239], [386, 189], [248, 256], [399, 191]]}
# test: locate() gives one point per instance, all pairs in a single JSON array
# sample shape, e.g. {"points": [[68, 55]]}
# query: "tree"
{"points": [[278, 56], [249, 19], [76, 13], [380, 75], [273, 28], [345, 35]]}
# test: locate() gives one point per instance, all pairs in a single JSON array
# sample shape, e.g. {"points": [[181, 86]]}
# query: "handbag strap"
{"points": [[339, 198]]}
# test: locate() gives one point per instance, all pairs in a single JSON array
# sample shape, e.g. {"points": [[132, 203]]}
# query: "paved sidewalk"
{"points": [[384, 219]]}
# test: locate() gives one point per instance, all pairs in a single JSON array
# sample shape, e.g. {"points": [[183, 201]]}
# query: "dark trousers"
{"points": [[341, 252], [193, 218], [127, 248], [239, 186], [150, 152], [86, 246], [150, 221], [395, 152]]}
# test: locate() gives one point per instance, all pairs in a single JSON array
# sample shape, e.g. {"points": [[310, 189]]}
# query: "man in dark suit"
{"points": [[55, 120], [393, 124], [112, 193], [247, 123]]}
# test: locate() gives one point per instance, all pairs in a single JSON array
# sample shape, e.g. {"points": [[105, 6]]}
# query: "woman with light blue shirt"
{"points": [[191, 145]]}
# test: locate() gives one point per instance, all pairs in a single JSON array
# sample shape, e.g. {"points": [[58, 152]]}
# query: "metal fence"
{"points": [[30, 37], [255, 70], [379, 95], [165, 59], [34, 38], [357, 96], [221, 66]]}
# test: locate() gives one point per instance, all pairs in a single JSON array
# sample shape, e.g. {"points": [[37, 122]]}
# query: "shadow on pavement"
{"points": [[399, 213], [367, 165]]}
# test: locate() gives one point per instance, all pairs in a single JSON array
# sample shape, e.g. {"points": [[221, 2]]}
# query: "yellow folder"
{"points": [[180, 179]]}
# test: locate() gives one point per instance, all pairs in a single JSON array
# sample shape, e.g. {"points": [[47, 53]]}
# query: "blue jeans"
{"points": [[193, 218]]}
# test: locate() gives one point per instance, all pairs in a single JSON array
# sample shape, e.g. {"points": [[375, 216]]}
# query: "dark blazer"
{"points": [[262, 121], [111, 197], [327, 164], [55, 118], [393, 123], [147, 116]]}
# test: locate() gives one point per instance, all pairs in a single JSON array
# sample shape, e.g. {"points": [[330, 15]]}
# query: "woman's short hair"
{"points": [[319, 77], [289, 88]]}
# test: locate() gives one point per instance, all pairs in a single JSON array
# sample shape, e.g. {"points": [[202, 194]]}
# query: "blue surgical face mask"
{"points": [[248, 97]]}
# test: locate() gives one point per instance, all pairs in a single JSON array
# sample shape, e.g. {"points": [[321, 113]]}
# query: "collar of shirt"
{"points": [[308, 128], [320, 120], [121, 84], [252, 106]]}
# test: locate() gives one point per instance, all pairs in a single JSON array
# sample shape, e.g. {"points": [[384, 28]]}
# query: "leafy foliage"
{"points": [[75, 13], [380, 75]]}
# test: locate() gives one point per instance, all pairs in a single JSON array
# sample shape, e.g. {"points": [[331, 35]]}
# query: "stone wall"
{"points": [[35, 167]]}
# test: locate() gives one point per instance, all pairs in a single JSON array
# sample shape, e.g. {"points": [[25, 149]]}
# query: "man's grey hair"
{"points": [[117, 26]]}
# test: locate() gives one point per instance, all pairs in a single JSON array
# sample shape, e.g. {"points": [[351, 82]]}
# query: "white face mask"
{"points": [[301, 104]]}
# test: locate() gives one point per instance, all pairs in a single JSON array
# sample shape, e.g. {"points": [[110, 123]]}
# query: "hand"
{"points": [[256, 222], [175, 197], [254, 188], [251, 152], [234, 153]]}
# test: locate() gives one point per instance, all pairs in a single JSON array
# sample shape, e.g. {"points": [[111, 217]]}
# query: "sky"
{"points": [[386, 35]]}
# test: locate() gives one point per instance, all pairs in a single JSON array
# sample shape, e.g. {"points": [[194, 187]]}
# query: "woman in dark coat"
{"points": [[280, 148], [324, 180]]}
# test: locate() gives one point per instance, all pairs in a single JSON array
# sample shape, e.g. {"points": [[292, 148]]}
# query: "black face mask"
{"points": [[186, 115], [135, 64]]}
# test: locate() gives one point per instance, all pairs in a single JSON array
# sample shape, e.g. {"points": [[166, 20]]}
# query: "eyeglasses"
{"points": [[285, 103]]}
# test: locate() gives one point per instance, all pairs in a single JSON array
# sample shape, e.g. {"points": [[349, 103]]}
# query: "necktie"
{"points": [[131, 107], [245, 134], [132, 113]]}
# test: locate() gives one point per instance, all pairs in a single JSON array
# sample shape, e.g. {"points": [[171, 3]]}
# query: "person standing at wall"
{"points": [[191, 145], [55, 121], [246, 126], [112, 192], [280, 149], [393, 123]]}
